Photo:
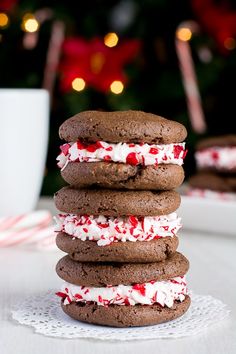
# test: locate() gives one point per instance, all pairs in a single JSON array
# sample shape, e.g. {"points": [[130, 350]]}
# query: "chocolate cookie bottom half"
{"points": [[139, 251], [126, 316], [118, 176]]}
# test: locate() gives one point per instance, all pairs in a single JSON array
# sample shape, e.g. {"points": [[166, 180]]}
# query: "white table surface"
{"points": [[213, 271]]}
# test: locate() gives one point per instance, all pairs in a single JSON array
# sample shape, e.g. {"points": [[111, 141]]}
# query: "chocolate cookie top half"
{"points": [[102, 274], [223, 140], [115, 202], [122, 126]]}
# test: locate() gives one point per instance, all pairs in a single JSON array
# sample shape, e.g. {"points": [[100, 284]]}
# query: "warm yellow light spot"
{"points": [[111, 39], [96, 62], [78, 84], [29, 23], [230, 43], [184, 34], [3, 20], [116, 87]]}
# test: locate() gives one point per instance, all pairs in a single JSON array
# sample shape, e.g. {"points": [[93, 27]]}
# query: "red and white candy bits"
{"points": [[133, 154], [161, 292], [218, 157], [106, 230]]}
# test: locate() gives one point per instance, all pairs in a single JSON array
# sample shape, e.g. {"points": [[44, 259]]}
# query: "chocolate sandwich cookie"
{"points": [[139, 251], [122, 126], [116, 203], [122, 150], [126, 316], [213, 181], [123, 176], [102, 274]]}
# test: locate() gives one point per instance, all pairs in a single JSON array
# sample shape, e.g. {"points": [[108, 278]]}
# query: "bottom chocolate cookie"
{"points": [[126, 316]]}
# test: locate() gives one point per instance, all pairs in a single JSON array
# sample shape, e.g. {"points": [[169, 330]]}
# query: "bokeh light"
{"points": [[4, 20], [78, 84], [29, 23], [116, 87], [230, 43], [184, 34], [111, 39]]}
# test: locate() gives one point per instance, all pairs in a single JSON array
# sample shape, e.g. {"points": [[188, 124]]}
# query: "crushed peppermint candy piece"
{"points": [[141, 288], [106, 230], [133, 154], [161, 292]]}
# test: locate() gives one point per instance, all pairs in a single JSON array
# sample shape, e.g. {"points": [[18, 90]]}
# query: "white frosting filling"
{"points": [[161, 292], [219, 157], [210, 194], [133, 154], [106, 230]]}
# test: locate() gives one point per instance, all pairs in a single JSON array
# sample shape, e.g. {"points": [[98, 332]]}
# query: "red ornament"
{"points": [[94, 62], [7, 5], [218, 20]]}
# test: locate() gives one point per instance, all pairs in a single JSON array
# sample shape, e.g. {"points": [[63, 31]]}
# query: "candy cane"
{"points": [[183, 35], [22, 229], [53, 55]]}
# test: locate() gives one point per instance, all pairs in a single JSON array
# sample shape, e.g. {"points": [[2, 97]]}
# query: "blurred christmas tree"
{"points": [[119, 55]]}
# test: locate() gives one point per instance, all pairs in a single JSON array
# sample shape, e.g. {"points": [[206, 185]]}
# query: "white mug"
{"points": [[24, 122]]}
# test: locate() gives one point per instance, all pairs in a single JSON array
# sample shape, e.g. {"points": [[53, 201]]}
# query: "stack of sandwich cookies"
{"points": [[119, 228], [216, 164]]}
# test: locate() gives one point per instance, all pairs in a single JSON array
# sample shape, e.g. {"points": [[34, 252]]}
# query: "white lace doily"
{"points": [[43, 312]]}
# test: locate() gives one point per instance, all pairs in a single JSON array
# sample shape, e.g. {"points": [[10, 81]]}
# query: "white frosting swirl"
{"points": [[161, 292], [219, 157], [106, 230], [133, 154]]}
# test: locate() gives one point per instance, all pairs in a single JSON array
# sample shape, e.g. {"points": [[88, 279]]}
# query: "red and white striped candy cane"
{"points": [[30, 228], [194, 103]]}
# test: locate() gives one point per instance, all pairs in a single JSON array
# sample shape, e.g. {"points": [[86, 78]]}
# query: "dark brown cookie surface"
{"points": [[223, 140], [213, 181], [126, 316], [116, 203], [119, 176], [122, 126], [102, 274], [139, 251]]}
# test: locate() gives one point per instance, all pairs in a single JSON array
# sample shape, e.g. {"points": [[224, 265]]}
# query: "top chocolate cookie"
{"points": [[122, 126], [217, 141]]}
